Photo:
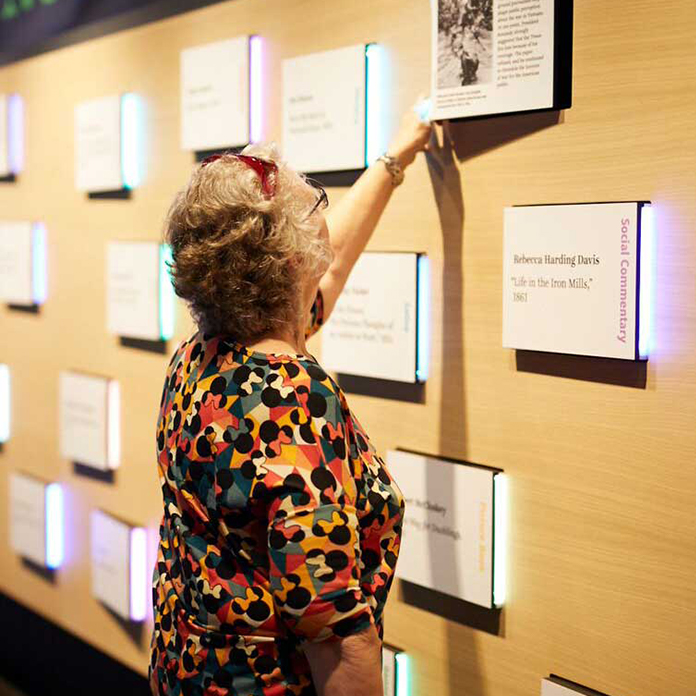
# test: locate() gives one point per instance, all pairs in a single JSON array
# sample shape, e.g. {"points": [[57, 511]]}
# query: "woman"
{"points": [[281, 525]]}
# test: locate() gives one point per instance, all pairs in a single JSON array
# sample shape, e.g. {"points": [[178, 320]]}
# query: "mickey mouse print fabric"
{"points": [[281, 523]]}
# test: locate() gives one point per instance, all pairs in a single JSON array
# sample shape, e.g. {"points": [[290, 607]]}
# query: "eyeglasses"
{"points": [[267, 171], [322, 199]]}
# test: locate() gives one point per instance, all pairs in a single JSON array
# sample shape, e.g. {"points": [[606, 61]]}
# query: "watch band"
{"points": [[393, 167]]}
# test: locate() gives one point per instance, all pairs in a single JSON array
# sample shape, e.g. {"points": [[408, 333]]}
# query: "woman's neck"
{"points": [[292, 342]]}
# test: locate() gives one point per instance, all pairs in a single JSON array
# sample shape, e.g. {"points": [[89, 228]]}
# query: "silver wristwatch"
{"points": [[393, 167]]}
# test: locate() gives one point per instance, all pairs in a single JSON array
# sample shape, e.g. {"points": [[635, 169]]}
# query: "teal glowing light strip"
{"points": [[166, 294], [38, 263], [403, 674], [423, 314], [4, 403], [648, 239], [500, 532], [54, 526], [130, 140], [375, 91]]}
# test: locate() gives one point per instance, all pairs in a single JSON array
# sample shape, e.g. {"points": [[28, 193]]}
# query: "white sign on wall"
{"points": [[4, 137], [36, 520], [578, 279], [215, 95], [324, 102], [11, 134], [5, 403], [89, 420], [22, 263], [140, 296], [560, 687], [119, 563], [454, 528], [375, 327]]}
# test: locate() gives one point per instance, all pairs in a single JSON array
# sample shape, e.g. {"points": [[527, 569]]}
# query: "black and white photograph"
{"points": [[465, 43]]}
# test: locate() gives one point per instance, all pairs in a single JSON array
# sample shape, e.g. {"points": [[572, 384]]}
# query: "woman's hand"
{"points": [[412, 138]]}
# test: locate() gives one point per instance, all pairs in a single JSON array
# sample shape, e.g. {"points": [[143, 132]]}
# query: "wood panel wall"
{"points": [[600, 455]]}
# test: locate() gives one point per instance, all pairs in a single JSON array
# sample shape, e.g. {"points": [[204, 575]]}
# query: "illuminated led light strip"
{"points": [[138, 574], [54, 526], [255, 89], [15, 133], [403, 674], [648, 239], [4, 403], [113, 424], [423, 314], [375, 90], [130, 140], [39, 279], [166, 294], [500, 532]]}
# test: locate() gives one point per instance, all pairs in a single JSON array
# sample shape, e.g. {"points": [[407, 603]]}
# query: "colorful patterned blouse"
{"points": [[281, 524]]}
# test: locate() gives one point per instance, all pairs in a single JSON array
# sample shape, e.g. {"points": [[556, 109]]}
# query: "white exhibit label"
{"points": [[133, 289], [448, 532], [5, 169], [89, 420], [559, 687], [215, 95], [28, 517], [22, 263], [491, 59], [324, 110], [571, 279], [373, 329], [389, 671], [111, 548], [98, 165], [5, 403]]}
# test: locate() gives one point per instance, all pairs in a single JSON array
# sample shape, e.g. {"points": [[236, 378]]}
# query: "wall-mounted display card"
{"points": [[379, 327], [5, 403], [108, 144], [139, 293], [556, 686], [221, 94], [90, 420], [332, 117], [11, 135], [579, 279], [395, 672], [500, 57], [455, 527], [119, 565], [23, 263], [36, 520]]}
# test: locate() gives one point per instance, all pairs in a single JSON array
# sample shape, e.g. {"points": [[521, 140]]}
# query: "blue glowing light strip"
{"points": [[648, 239], [255, 89], [130, 140], [54, 526], [166, 294], [138, 574], [500, 532], [375, 91], [4, 403], [38, 264], [403, 674], [423, 315], [15, 133], [113, 424]]}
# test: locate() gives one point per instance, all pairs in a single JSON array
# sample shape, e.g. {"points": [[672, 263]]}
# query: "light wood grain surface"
{"points": [[603, 476]]}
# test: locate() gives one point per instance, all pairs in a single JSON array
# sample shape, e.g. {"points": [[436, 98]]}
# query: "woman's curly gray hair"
{"points": [[238, 255]]}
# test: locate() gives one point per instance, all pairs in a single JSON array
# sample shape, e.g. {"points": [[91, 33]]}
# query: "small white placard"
{"points": [[111, 550], [89, 420], [373, 329], [447, 540], [98, 165], [132, 278], [16, 263], [570, 279], [492, 59], [4, 136], [389, 670], [215, 85], [28, 517], [324, 110], [552, 687]]}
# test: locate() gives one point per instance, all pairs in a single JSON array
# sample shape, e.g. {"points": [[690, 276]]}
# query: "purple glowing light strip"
{"points": [[15, 133]]}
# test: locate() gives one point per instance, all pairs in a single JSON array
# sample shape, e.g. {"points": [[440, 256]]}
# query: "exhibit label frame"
{"points": [[11, 136], [23, 263], [5, 403]]}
